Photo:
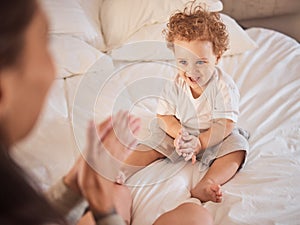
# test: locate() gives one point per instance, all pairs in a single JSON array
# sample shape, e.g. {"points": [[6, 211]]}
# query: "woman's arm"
{"points": [[72, 205], [86, 180], [219, 129], [170, 124], [68, 202]]}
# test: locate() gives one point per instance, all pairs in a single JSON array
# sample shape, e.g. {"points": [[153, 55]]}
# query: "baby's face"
{"points": [[196, 61]]}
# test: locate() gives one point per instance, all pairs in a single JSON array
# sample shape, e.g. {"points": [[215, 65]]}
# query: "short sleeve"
{"points": [[226, 104], [167, 100]]}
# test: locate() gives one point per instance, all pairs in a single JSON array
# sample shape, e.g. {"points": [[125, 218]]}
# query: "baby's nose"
{"points": [[191, 70]]}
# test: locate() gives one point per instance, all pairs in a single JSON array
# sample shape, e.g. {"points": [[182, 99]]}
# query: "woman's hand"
{"points": [[71, 179], [94, 173]]}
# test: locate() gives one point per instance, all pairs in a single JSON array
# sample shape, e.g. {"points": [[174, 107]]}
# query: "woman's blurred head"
{"points": [[26, 68], [26, 73]]}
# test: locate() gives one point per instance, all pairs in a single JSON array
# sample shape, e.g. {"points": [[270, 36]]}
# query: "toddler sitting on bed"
{"points": [[198, 110]]}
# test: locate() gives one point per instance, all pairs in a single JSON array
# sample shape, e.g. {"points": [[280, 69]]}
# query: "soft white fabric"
{"points": [[79, 18], [83, 93], [219, 100], [148, 43], [121, 18], [71, 55]]}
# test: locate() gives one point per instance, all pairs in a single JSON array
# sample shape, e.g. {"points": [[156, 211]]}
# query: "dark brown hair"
{"points": [[15, 16], [20, 203], [196, 23]]}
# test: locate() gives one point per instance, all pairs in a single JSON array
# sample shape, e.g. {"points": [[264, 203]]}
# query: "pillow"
{"points": [[79, 18], [72, 55], [121, 18], [149, 44], [239, 40], [146, 44]]}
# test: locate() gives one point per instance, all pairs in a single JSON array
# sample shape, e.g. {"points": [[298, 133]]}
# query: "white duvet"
{"points": [[265, 191]]}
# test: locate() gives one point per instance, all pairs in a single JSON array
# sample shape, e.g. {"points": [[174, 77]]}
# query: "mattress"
{"points": [[265, 191]]}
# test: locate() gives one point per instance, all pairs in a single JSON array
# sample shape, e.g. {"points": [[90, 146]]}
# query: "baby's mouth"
{"points": [[194, 79]]}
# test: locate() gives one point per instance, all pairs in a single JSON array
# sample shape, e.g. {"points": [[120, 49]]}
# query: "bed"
{"points": [[107, 59]]}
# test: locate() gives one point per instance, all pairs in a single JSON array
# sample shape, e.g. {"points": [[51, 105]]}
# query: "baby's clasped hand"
{"points": [[187, 145]]}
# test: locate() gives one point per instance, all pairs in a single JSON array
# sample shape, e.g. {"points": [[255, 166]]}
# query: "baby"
{"points": [[198, 111]]}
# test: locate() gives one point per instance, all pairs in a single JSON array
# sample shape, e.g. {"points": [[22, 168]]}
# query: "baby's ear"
{"points": [[170, 45]]}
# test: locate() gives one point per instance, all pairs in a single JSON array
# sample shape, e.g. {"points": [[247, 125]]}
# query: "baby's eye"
{"points": [[200, 62], [182, 62]]}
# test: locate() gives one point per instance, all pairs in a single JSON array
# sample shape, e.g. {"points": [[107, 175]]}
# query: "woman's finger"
{"points": [[134, 124], [90, 135], [104, 127]]}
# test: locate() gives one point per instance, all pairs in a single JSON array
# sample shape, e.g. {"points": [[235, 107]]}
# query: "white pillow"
{"points": [[149, 44], [239, 40], [72, 55], [146, 44], [79, 18], [121, 18]]}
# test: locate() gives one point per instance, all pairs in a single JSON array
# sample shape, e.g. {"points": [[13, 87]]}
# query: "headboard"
{"points": [[283, 16]]}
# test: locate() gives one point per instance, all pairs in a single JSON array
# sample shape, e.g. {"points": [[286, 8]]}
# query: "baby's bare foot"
{"points": [[207, 191]]}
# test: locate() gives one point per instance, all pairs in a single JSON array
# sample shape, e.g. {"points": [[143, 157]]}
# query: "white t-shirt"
{"points": [[220, 99]]}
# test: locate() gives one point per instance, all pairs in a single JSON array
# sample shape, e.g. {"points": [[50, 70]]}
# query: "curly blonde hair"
{"points": [[196, 23]]}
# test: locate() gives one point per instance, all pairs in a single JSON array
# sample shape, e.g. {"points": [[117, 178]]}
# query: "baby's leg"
{"points": [[143, 156], [221, 171], [137, 160], [187, 213]]}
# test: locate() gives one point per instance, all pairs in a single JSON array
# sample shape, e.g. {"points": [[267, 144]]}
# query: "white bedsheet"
{"points": [[266, 191]]}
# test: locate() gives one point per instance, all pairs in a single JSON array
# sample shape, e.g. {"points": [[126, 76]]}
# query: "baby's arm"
{"points": [[170, 124], [219, 129]]}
